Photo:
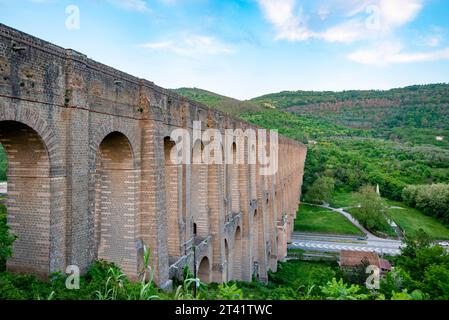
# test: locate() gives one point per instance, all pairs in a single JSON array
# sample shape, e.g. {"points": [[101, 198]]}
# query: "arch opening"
{"points": [[25, 164], [237, 263], [234, 176], [204, 270], [115, 206], [173, 177], [256, 237], [199, 191]]}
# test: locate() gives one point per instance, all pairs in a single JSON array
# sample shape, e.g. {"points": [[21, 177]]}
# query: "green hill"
{"points": [[417, 114], [219, 102]]}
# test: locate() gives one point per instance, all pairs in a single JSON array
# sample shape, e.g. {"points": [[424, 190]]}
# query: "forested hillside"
{"points": [[413, 95], [416, 114], [222, 103]]}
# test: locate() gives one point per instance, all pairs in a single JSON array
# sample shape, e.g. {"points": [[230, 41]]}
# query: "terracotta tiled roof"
{"points": [[353, 258], [385, 264]]}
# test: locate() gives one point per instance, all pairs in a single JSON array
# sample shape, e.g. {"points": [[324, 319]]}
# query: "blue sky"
{"points": [[247, 48]]}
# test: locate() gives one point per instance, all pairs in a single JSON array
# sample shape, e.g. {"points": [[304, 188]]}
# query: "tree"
{"points": [[320, 191], [433, 199], [371, 209], [415, 242], [6, 239], [436, 282]]}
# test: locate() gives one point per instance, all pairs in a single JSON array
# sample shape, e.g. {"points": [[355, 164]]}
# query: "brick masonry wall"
{"points": [[89, 177]]}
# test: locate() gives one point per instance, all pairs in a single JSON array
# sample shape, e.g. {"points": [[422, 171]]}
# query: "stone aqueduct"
{"points": [[89, 178]]}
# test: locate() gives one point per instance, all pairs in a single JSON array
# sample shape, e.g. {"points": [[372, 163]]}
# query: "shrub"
{"points": [[320, 191], [371, 210], [6, 239], [433, 200]]}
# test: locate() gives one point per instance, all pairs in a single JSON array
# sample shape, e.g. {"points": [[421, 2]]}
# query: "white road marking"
{"points": [[336, 247]]}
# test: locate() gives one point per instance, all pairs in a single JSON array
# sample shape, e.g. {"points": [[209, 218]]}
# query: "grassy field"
{"points": [[320, 220], [342, 200], [383, 230], [410, 220]]}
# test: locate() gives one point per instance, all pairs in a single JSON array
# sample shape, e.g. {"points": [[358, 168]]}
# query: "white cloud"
{"points": [[390, 53], [399, 12], [434, 38], [131, 5], [364, 19], [323, 12], [288, 24], [347, 32], [190, 46]]}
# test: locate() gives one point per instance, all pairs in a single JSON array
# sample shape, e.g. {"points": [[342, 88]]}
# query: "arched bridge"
{"points": [[90, 175]]}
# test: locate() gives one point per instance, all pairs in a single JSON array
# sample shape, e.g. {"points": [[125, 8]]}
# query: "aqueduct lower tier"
{"points": [[89, 175]]}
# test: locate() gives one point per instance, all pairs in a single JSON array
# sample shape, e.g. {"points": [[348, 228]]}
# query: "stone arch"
{"points": [[106, 129], [204, 273], [238, 254], [234, 178], [256, 236], [199, 191], [224, 183], [253, 173], [33, 120], [115, 203], [173, 176], [35, 214]]}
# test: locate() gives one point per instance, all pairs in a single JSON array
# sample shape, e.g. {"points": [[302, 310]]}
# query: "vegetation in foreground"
{"points": [[421, 273], [3, 164], [320, 220]]}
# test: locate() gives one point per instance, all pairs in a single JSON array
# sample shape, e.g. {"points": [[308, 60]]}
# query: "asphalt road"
{"points": [[335, 243]]}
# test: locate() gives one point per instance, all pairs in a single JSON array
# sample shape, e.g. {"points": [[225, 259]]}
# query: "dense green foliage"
{"points": [[422, 269], [3, 164], [433, 200], [435, 93], [320, 220], [415, 114], [320, 191], [6, 239], [421, 266], [295, 280], [421, 273]]}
